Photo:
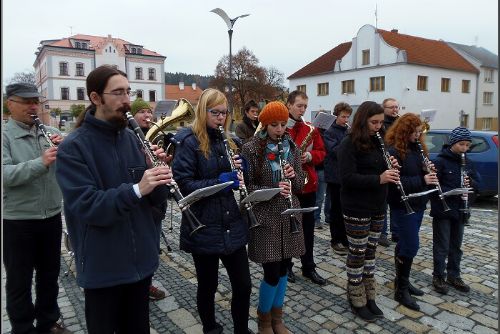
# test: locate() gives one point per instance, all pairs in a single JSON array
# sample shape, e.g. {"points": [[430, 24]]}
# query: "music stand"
{"points": [[202, 193], [261, 195], [458, 191], [299, 210]]}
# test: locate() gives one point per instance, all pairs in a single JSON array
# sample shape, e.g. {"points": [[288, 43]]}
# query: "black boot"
{"points": [[402, 293], [411, 288]]}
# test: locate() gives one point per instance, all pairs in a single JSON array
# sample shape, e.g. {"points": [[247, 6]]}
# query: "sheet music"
{"points": [[458, 191], [299, 210], [261, 195], [323, 120], [203, 192], [421, 193], [428, 114]]}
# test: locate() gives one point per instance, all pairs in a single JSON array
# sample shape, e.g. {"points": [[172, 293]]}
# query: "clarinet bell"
{"points": [[294, 225], [192, 222], [252, 220]]}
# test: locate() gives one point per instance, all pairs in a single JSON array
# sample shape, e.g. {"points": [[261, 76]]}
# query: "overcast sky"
{"points": [[286, 34]]}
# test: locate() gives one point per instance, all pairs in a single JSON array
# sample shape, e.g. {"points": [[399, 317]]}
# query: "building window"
{"points": [[488, 75], [138, 73], [79, 70], [348, 87], [64, 93], [139, 51], [465, 86], [365, 57], [487, 97], [132, 50], [63, 68], [152, 96], [323, 89], [301, 88], [445, 85], [464, 120], [421, 82], [487, 123], [377, 84], [84, 45], [139, 93], [80, 93], [77, 45], [152, 74]]}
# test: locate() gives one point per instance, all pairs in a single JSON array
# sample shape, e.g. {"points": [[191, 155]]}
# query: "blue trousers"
{"points": [[447, 236], [409, 226]]}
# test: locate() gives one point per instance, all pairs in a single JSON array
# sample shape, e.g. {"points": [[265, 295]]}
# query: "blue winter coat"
{"points": [[226, 230], [111, 230], [412, 178], [332, 138], [447, 165]]}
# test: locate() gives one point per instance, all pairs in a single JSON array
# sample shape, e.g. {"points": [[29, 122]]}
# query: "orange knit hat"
{"points": [[273, 112]]}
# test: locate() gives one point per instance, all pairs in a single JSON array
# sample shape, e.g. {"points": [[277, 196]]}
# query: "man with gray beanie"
{"points": [[32, 223], [454, 170]]}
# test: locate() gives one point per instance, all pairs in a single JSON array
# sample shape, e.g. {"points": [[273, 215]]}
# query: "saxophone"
{"points": [[305, 143]]}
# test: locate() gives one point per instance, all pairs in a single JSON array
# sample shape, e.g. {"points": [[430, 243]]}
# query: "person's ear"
{"points": [[95, 98]]}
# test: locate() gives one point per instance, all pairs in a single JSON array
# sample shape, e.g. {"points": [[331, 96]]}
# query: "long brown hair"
{"points": [[209, 99], [398, 134], [360, 135]]}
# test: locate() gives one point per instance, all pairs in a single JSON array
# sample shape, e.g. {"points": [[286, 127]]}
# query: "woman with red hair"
{"points": [[405, 142]]}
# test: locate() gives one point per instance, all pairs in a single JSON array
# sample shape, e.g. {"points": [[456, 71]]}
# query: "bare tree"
{"points": [[25, 77]]}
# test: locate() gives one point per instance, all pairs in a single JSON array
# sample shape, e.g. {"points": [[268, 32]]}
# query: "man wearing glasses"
{"points": [[32, 223], [109, 193]]}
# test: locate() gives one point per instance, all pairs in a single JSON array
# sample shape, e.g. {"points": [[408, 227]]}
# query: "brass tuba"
{"points": [[183, 111]]}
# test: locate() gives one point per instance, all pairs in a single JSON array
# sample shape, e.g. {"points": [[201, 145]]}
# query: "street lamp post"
{"points": [[230, 23]]}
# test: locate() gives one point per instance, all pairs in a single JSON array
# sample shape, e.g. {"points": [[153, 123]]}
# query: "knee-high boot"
{"points": [[402, 293], [411, 288]]}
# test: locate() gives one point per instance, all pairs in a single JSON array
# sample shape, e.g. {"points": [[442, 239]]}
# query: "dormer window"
{"points": [[139, 51], [77, 45], [133, 50], [84, 45]]}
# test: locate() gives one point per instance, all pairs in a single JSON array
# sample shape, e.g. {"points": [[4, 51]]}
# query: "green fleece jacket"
{"points": [[30, 190]]}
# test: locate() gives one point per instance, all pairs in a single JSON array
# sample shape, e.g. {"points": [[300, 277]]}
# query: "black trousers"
{"points": [[207, 274], [32, 245], [121, 309], [337, 226], [307, 260]]}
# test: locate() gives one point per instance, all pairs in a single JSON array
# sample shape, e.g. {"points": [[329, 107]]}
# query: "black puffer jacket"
{"points": [[412, 178], [447, 165], [226, 230], [332, 138]]}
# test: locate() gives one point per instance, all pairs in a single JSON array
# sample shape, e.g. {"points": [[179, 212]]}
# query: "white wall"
{"points": [[110, 57]]}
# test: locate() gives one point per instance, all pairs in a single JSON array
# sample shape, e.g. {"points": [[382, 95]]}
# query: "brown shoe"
{"points": [[155, 293], [458, 284], [277, 321], [59, 328], [264, 323]]}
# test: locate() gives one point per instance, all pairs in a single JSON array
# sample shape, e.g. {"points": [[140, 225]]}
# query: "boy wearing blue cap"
{"points": [[448, 226]]}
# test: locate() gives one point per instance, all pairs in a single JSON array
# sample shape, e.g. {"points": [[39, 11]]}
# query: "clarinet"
{"points": [[252, 220], [294, 223], [192, 222], [427, 164], [399, 185], [43, 130], [465, 210]]}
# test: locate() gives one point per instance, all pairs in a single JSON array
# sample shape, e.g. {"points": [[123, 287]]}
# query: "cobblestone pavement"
{"points": [[313, 309]]}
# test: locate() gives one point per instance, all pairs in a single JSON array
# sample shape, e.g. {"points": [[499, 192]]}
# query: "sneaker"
{"points": [[340, 249], [59, 328], [155, 293], [383, 241], [458, 284], [439, 285]]}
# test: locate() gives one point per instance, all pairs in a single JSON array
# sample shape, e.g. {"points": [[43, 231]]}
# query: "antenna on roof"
{"points": [[376, 17], [476, 39], [71, 30]]}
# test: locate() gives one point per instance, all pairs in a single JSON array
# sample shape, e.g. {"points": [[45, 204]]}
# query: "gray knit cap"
{"points": [[459, 134]]}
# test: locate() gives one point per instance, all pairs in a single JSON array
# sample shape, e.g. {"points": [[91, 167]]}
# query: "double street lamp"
{"points": [[230, 23]]}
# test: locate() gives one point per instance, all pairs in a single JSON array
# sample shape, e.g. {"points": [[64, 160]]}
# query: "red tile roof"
{"points": [[173, 92], [419, 51], [97, 42]]}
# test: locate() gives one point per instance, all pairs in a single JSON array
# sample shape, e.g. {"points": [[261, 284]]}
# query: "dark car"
{"points": [[483, 152]]}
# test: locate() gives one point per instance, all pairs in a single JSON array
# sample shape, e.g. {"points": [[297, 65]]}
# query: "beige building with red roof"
{"points": [[422, 74], [62, 66], [191, 93]]}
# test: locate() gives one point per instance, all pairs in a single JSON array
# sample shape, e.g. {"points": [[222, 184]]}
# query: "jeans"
{"points": [[207, 274], [409, 226], [320, 197], [121, 309], [447, 237], [32, 245]]}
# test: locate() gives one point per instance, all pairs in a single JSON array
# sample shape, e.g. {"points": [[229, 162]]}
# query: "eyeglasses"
{"points": [[392, 107], [27, 102], [217, 113], [122, 93]]}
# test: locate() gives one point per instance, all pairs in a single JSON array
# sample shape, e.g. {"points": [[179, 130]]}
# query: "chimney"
{"points": [[394, 31], [109, 36], [181, 85], [193, 85]]}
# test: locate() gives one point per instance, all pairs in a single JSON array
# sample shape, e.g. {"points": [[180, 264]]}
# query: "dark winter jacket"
{"points": [[332, 138], [246, 129], [112, 231], [412, 178], [226, 230], [361, 193], [448, 165]]}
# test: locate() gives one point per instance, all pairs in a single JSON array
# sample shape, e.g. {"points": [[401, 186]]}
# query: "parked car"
{"points": [[483, 152]]}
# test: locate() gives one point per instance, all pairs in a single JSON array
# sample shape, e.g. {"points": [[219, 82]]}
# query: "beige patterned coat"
{"points": [[272, 241]]}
